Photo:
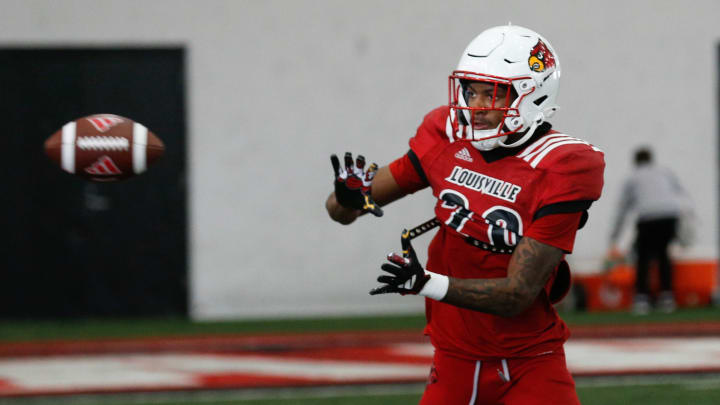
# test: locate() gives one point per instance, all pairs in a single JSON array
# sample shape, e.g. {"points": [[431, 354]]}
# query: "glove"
{"points": [[408, 275], [352, 184]]}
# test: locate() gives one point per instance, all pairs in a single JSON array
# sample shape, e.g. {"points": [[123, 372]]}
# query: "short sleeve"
{"points": [[572, 181], [407, 174], [556, 230]]}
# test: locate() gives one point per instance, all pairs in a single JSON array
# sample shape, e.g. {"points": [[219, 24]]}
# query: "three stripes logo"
{"points": [[104, 122], [535, 153], [104, 166], [464, 154]]}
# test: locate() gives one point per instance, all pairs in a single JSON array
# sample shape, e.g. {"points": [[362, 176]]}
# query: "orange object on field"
{"points": [[611, 291], [693, 285], [694, 282]]}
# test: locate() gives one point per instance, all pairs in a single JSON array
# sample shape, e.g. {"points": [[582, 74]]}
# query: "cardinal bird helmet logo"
{"points": [[541, 58]]}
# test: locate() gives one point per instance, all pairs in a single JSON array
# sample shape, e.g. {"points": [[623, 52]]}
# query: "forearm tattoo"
{"points": [[529, 269]]}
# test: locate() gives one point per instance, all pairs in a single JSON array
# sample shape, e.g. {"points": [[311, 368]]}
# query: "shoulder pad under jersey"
{"points": [[573, 166], [560, 152]]}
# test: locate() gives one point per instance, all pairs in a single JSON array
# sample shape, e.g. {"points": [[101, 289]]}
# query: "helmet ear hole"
{"points": [[540, 100]]}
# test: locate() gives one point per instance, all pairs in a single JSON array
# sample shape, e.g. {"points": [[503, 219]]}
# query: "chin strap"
{"points": [[525, 137], [489, 143]]}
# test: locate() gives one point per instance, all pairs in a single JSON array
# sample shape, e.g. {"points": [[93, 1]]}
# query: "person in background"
{"points": [[656, 197]]}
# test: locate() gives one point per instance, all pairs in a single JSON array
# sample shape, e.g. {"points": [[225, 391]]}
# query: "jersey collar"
{"points": [[500, 153]]}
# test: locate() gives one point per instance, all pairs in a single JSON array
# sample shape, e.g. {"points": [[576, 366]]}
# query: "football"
{"points": [[104, 148]]}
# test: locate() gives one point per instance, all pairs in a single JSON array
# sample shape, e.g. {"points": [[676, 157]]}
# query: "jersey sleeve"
{"points": [[573, 180], [556, 230], [407, 174]]}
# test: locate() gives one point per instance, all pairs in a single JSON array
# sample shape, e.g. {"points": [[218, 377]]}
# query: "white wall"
{"points": [[276, 86]]}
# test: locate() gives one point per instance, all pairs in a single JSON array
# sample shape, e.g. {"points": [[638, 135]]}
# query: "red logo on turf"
{"points": [[104, 122], [104, 166]]}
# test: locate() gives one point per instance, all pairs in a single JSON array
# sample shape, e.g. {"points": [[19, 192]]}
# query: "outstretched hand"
{"points": [[407, 274], [352, 184]]}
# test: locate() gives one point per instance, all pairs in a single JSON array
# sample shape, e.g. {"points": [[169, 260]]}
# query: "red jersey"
{"points": [[486, 202]]}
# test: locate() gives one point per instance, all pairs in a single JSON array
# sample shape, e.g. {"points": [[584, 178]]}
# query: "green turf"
{"points": [[666, 394], [671, 393], [397, 399], [636, 395], [118, 328], [607, 318], [384, 399]]}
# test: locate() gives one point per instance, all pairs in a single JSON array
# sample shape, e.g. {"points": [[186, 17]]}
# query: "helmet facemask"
{"points": [[464, 118]]}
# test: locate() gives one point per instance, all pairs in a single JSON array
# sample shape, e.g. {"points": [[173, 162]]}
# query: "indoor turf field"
{"points": [[673, 391], [683, 388]]}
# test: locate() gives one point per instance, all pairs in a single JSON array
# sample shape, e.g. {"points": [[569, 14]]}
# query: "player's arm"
{"points": [[384, 190], [530, 267]]}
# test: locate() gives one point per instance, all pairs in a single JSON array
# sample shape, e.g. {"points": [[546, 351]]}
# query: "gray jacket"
{"points": [[652, 192]]}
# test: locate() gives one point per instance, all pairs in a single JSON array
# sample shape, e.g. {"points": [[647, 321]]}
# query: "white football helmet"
{"points": [[510, 56]]}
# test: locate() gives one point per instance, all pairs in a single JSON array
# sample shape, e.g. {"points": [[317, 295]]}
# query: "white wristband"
{"points": [[436, 288]]}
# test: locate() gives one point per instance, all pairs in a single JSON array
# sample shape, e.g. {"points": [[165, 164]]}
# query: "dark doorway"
{"points": [[80, 249]]}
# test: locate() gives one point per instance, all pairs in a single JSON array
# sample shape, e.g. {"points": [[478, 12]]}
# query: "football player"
{"points": [[511, 194]]}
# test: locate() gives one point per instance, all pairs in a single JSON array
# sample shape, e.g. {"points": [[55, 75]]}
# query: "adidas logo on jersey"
{"points": [[464, 154], [104, 166]]}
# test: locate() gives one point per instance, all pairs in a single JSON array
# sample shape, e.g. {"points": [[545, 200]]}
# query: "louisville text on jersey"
{"points": [[484, 184]]}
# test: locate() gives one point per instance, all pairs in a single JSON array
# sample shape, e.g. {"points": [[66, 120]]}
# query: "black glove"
{"points": [[352, 184], [408, 275]]}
